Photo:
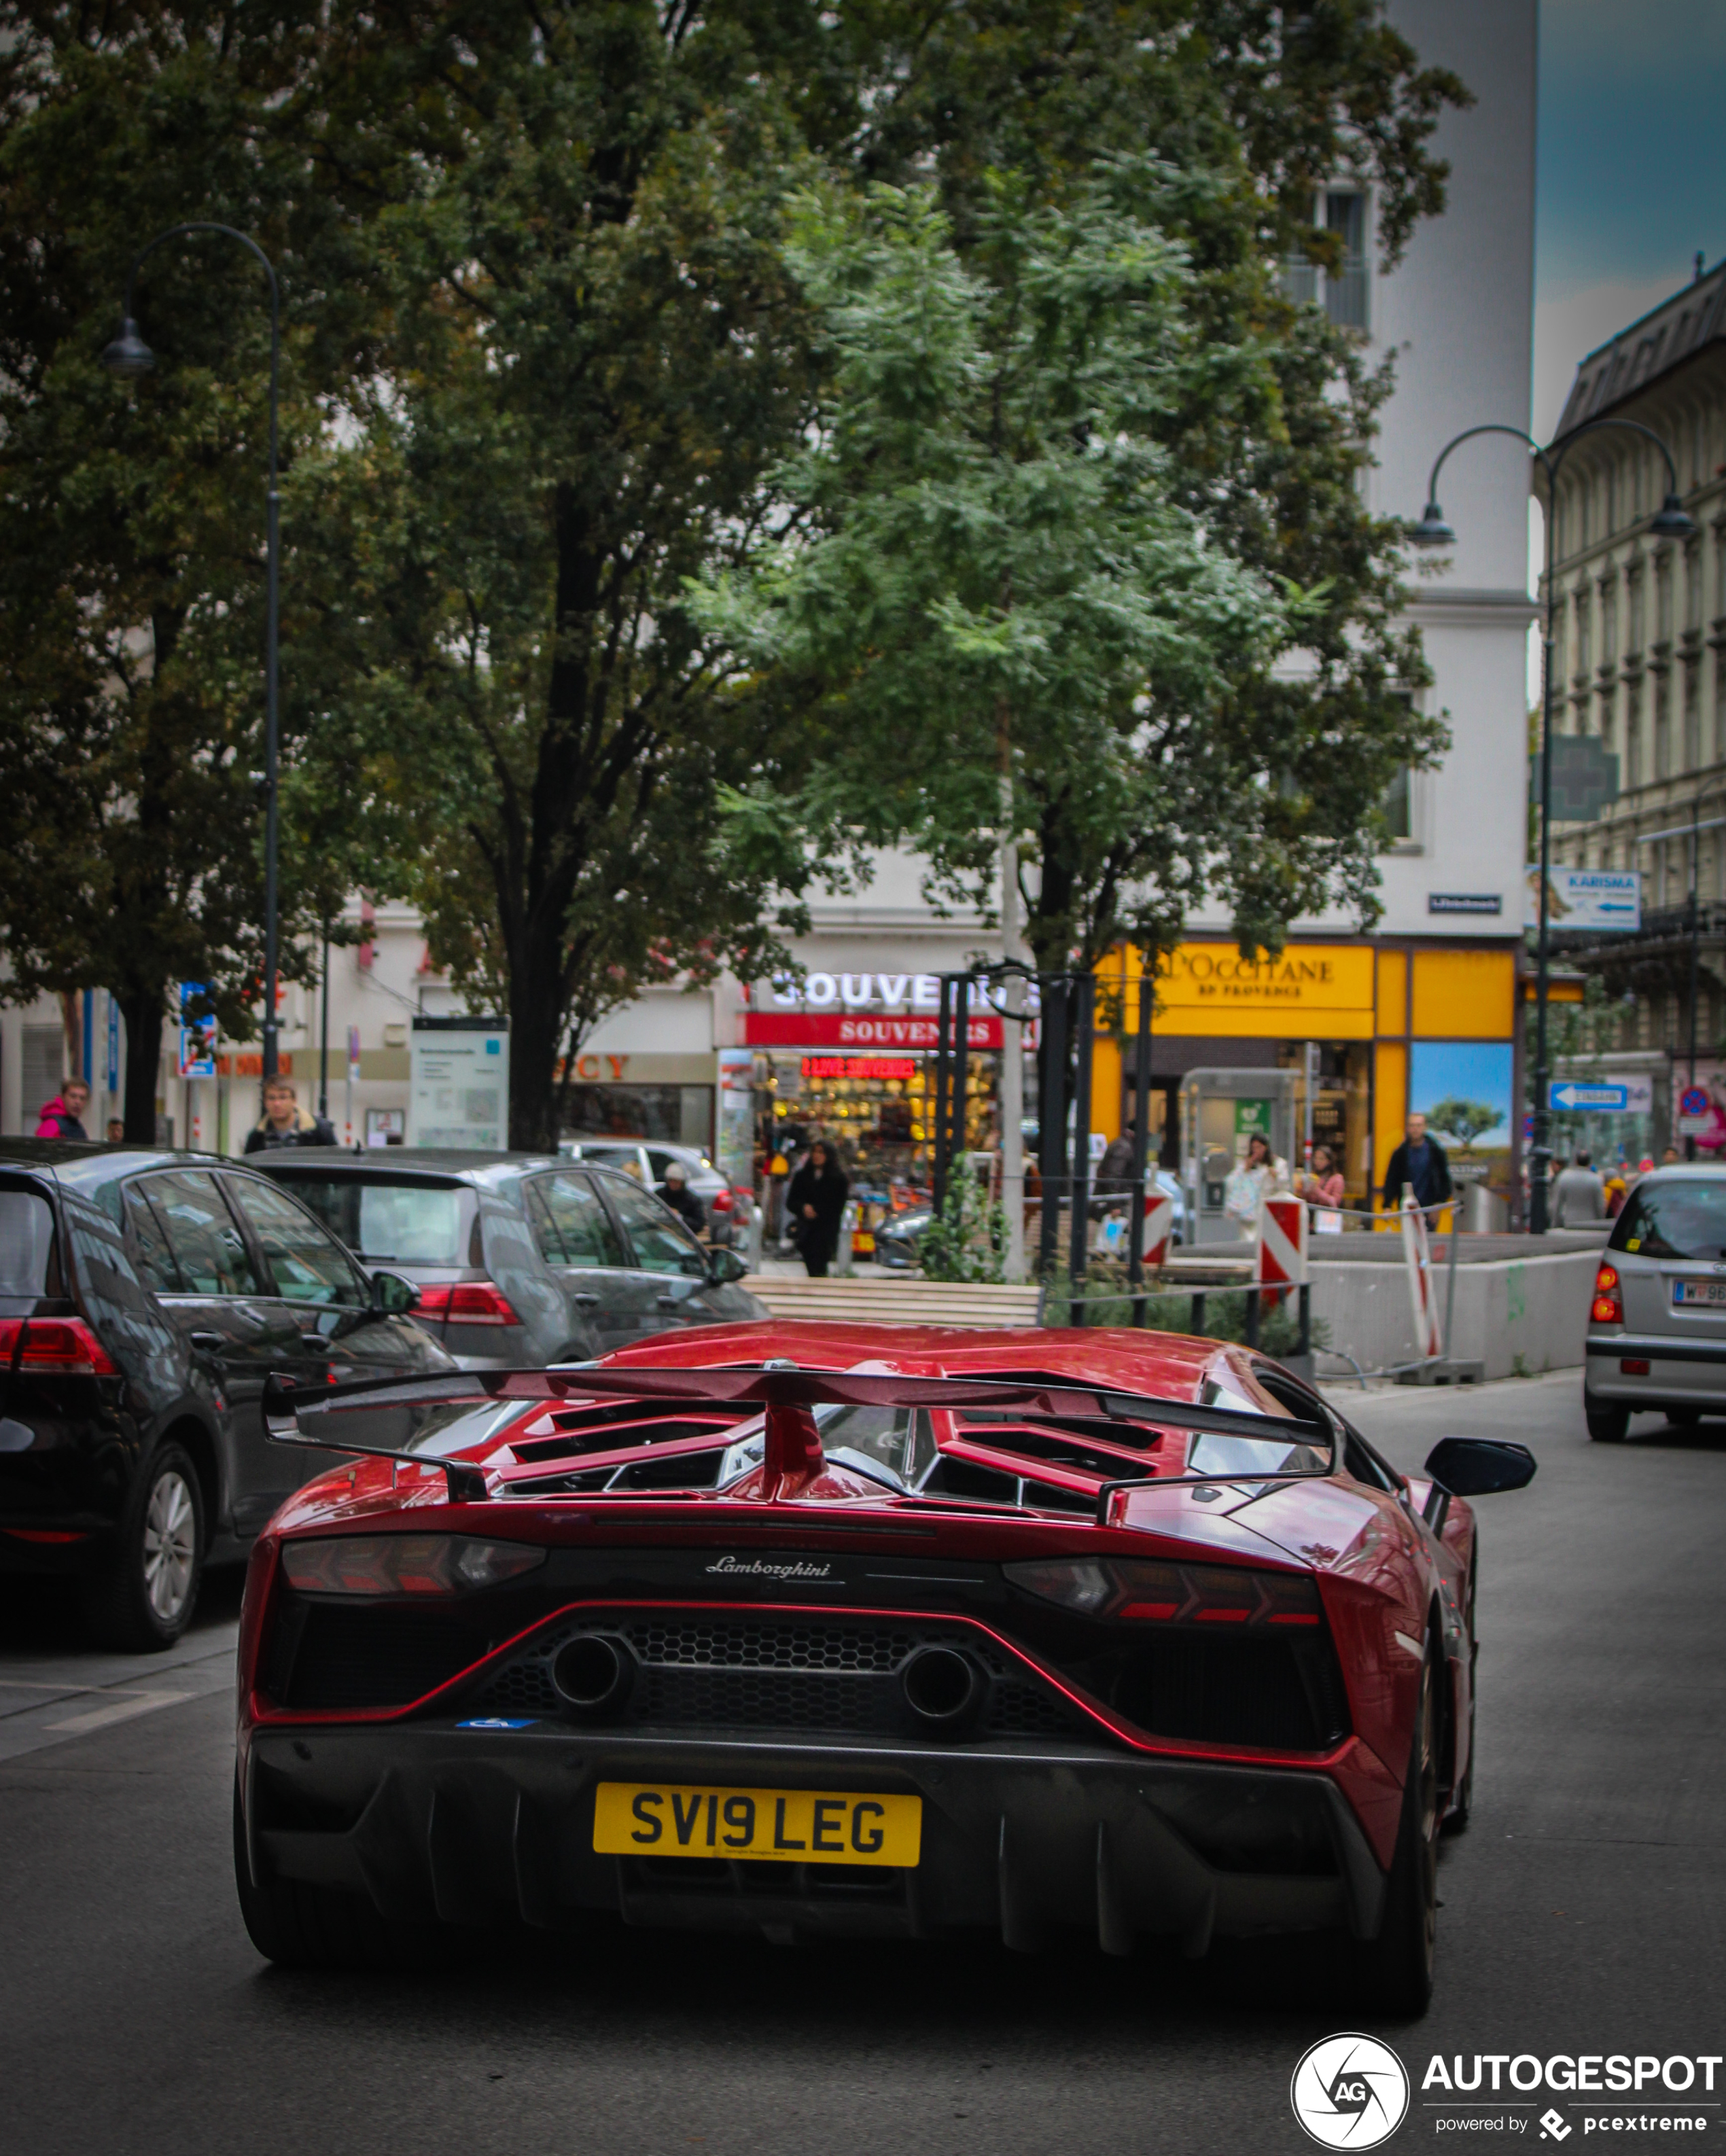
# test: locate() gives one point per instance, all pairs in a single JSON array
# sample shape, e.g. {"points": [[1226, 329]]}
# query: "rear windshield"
{"points": [[1684, 1218], [386, 1218], [27, 1245]]}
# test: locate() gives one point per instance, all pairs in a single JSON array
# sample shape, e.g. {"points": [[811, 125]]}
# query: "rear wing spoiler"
{"points": [[297, 1415]]}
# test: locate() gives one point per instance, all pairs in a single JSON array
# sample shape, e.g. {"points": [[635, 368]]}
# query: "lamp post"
{"points": [[128, 355], [1669, 521]]}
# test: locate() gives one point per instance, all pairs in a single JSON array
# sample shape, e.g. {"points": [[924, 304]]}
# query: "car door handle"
{"points": [[315, 1340], [666, 1301], [207, 1343], [585, 1301]]}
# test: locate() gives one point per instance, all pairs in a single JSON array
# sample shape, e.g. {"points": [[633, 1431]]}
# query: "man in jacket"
{"points": [[1418, 1164], [285, 1122], [1579, 1197], [675, 1192], [63, 1116]]}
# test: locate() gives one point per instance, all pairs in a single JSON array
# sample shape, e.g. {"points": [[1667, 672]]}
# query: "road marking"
{"points": [[120, 1710]]}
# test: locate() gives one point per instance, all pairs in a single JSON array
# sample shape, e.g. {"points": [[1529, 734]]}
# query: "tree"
{"points": [[1005, 579], [1464, 1120], [131, 516]]}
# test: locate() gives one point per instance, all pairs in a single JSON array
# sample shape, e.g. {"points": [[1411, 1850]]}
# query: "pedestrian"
{"points": [[1260, 1176], [1578, 1196], [1617, 1189], [285, 1122], [1114, 1171], [1418, 1164], [1670, 1156], [61, 1116], [1324, 1185], [676, 1194], [117, 1130], [816, 1203]]}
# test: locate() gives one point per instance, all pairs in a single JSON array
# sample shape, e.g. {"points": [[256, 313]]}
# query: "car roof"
{"points": [[90, 1167], [436, 1163]]}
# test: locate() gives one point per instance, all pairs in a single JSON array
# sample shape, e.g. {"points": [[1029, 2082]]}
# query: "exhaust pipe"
{"points": [[593, 1674], [943, 1687]]}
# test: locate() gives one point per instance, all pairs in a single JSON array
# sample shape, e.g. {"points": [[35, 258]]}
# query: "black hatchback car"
{"points": [[520, 1259], [145, 1297]]}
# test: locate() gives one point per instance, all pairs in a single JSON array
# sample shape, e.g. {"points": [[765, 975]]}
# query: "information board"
{"points": [[459, 1083]]}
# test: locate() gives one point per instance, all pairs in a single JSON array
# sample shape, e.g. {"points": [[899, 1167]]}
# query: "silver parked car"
{"points": [[1656, 1328], [646, 1160]]}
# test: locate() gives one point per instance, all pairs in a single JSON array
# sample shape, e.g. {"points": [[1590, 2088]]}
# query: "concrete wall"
{"points": [[1516, 1315]]}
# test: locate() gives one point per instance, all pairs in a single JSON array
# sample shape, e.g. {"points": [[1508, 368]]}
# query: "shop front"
{"points": [[1372, 1029], [849, 1057]]}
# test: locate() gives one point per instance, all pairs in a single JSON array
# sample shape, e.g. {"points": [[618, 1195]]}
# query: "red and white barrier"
{"points": [[1159, 1227], [1423, 1299], [1281, 1259]]}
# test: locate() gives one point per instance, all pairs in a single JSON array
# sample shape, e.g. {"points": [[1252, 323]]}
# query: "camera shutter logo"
{"points": [[1350, 2092]]}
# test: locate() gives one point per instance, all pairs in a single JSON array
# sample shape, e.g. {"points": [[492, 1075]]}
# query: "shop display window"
{"points": [[676, 1115]]}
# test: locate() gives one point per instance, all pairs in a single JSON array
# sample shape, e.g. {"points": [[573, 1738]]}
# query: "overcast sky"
{"points": [[1632, 170]]}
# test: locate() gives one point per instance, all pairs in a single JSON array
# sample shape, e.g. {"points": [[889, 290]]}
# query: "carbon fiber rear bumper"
{"points": [[1020, 1837]]}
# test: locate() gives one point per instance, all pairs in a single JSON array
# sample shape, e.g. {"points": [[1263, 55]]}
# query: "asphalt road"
{"points": [[1583, 1912]]}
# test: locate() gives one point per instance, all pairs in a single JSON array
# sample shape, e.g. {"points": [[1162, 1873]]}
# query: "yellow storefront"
{"points": [[1384, 1015]]}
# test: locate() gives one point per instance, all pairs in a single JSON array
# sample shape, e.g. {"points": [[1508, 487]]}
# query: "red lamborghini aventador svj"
{"points": [[856, 1630]]}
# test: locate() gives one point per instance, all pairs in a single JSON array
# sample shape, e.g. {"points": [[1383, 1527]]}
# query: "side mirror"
{"points": [[726, 1265], [1477, 1467], [393, 1296]]}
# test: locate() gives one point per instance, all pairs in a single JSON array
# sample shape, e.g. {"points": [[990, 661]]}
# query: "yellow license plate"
{"points": [[786, 1826]]}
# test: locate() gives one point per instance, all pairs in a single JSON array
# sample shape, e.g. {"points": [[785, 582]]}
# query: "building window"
{"points": [[1399, 809], [1662, 730], [1633, 736], [1693, 719], [1341, 292], [1636, 611], [1663, 597], [1692, 586], [1609, 621], [1583, 633]]}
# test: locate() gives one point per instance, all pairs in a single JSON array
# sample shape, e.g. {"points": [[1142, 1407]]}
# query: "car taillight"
{"points": [[55, 1347], [1144, 1591], [723, 1201], [467, 1303], [1608, 1308], [404, 1564]]}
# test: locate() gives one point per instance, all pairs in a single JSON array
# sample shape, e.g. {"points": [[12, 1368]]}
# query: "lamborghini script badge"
{"points": [[771, 1567]]}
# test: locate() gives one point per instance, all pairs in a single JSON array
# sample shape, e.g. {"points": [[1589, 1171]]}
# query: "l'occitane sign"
{"points": [[1312, 990]]}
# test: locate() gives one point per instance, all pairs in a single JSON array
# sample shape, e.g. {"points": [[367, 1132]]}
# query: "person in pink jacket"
{"points": [[61, 1117]]}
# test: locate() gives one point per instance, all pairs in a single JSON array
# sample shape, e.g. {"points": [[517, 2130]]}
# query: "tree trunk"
{"points": [[142, 1010]]}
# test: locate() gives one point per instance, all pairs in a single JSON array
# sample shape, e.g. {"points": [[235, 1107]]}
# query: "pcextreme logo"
{"points": [[1350, 2092]]}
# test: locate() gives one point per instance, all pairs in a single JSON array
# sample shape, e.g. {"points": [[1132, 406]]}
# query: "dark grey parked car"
{"points": [[520, 1259], [145, 1297]]}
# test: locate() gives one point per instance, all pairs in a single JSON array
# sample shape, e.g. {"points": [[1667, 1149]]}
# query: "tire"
{"points": [[143, 1599], [1608, 1422], [298, 1925], [1393, 1971]]}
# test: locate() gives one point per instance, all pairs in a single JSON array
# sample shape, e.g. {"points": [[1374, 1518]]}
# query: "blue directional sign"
{"points": [[1566, 1093]]}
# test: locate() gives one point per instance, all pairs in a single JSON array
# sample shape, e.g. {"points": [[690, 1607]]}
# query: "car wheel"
{"points": [[1608, 1423], [143, 1600], [299, 1926], [1395, 1968]]}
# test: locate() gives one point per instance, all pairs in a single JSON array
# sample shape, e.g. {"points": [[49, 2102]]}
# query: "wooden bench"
{"points": [[897, 1301]]}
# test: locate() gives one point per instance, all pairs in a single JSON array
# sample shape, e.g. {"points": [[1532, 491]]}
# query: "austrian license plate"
{"points": [[787, 1826], [1710, 1293]]}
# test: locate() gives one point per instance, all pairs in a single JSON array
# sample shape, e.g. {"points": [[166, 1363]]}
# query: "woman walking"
{"points": [[816, 1202]]}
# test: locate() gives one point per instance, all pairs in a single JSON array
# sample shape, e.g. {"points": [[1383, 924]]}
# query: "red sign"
{"points": [[853, 1029], [861, 1066]]}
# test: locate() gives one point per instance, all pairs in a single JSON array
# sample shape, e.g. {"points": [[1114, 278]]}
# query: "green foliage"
{"points": [[1464, 1120], [967, 1241], [1038, 503], [1224, 1312]]}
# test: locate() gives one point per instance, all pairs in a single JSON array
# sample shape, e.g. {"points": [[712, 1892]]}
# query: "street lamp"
{"points": [[129, 356], [1669, 521]]}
